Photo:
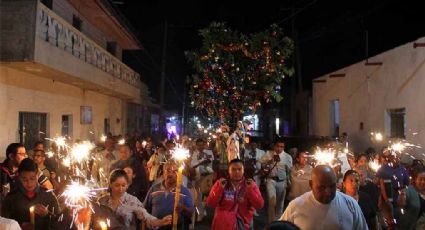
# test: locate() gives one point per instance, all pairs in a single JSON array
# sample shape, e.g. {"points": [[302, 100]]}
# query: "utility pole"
{"points": [[183, 109], [163, 65]]}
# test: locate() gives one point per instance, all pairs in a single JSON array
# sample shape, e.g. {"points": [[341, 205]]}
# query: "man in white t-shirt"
{"points": [[324, 207], [8, 224]]}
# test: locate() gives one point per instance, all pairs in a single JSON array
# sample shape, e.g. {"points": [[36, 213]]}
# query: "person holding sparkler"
{"points": [[29, 204], [161, 197], [393, 179], [235, 199], [412, 201], [126, 206]]}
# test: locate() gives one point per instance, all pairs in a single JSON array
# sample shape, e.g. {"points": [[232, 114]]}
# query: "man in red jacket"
{"points": [[234, 199]]}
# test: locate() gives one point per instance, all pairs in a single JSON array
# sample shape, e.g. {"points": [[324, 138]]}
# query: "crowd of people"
{"points": [[232, 175]]}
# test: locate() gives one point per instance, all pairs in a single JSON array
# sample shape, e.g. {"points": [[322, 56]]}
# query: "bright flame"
{"points": [[78, 196], [103, 225], [66, 162], [378, 137], [103, 138], [144, 144], [374, 165], [81, 151], [50, 154], [60, 142], [325, 157], [121, 142], [180, 154], [398, 147]]}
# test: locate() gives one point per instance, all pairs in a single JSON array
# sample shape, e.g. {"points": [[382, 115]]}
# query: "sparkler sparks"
{"points": [[180, 154], [50, 154], [121, 142], [78, 196], [66, 162], [398, 147], [60, 142], [103, 138], [374, 165], [81, 151], [377, 136], [325, 157]]}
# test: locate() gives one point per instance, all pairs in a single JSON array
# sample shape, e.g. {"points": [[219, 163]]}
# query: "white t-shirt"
{"points": [[8, 224], [343, 213]]}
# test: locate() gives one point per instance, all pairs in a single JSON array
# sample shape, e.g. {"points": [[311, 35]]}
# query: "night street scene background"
{"points": [[230, 115]]}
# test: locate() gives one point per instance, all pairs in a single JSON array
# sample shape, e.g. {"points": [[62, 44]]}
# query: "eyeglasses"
{"points": [[172, 171]]}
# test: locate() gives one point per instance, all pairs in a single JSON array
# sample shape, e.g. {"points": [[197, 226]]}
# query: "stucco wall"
{"points": [[20, 91], [366, 92]]}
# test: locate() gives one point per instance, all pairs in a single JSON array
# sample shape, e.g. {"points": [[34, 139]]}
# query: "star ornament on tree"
{"points": [[235, 73]]}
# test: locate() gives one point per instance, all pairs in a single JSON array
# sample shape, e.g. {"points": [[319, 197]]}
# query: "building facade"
{"points": [[61, 72], [382, 94]]}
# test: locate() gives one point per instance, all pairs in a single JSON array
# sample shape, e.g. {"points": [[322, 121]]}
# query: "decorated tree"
{"points": [[236, 73]]}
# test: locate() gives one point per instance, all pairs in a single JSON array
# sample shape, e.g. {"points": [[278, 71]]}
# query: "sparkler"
{"points": [[60, 142], [179, 155], [50, 154], [144, 144], [374, 165], [78, 197], [377, 136], [121, 142], [81, 151], [325, 157]]}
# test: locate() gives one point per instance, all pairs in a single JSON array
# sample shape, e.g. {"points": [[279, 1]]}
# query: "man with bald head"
{"points": [[324, 207]]}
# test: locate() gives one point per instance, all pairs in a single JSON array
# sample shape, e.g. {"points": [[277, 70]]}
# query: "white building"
{"points": [[61, 71], [384, 94]]}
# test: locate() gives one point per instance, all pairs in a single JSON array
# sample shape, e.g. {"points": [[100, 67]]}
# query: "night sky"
{"points": [[331, 34]]}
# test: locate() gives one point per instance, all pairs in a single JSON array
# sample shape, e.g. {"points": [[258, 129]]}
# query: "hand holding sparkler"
{"points": [[41, 210], [163, 222], [179, 155]]}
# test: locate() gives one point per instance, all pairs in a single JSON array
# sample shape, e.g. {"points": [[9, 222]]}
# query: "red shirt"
{"points": [[245, 200]]}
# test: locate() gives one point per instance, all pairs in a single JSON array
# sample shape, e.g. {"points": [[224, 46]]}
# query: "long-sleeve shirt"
{"points": [[224, 200], [129, 205], [342, 213], [16, 206]]}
